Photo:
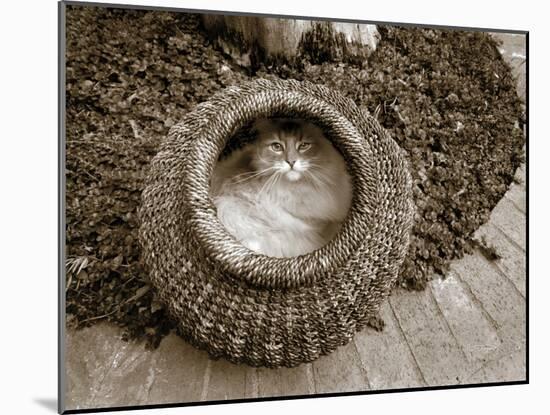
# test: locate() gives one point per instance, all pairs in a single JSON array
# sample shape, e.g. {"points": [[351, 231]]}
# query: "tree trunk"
{"points": [[254, 40]]}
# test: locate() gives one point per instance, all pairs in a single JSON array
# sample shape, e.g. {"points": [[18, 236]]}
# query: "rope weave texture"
{"points": [[259, 310]]}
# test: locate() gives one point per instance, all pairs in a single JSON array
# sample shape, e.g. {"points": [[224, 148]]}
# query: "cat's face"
{"points": [[291, 148]]}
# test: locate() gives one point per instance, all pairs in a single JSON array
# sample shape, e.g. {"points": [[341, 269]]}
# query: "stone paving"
{"points": [[467, 328]]}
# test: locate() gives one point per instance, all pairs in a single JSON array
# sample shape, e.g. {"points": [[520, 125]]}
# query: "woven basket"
{"points": [[261, 310]]}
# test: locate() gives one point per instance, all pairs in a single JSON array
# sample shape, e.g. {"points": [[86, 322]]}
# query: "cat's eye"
{"points": [[278, 147], [304, 146]]}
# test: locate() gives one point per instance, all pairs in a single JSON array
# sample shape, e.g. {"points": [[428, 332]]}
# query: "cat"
{"points": [[284, 194]]}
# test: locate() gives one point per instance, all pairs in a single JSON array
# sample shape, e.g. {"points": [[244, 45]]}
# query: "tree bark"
{"points": [[252, 40]]}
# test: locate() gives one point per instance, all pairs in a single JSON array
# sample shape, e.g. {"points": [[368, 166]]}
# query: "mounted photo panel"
{"points": [[259, 207]]}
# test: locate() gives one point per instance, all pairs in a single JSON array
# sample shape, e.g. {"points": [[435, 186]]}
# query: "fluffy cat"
{"points": [[284, 194]]}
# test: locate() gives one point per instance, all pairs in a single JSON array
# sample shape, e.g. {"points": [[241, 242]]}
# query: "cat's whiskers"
{"points": [[244, 177], [313, 180], [318, 173], [319, 182], [255, 172], [269, 183]]}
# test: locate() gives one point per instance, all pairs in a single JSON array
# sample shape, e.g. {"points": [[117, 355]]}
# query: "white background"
{"points": [[28, 203]]}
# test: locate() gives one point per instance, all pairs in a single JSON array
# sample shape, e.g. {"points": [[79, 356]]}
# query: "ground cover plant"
{"points": [[446, 97]]}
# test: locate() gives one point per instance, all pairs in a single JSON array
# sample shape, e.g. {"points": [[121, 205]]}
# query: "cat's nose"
{"points": [[291, 163]]}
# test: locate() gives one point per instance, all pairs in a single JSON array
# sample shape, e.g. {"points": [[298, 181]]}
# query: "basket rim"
{"points": [[222, 248]]}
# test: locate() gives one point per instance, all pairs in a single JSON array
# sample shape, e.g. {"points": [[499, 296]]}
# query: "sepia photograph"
{"points": [[260, 207]]}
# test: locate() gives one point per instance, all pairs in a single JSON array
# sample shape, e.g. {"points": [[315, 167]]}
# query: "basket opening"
{"points": [[217, 136], [281, 188]]}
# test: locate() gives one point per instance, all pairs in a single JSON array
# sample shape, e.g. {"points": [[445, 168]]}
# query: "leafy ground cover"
{"points": [[447, 98]]}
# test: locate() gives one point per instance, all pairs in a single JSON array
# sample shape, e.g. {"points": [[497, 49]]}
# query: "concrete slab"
{"points": [[508, 366], [386, 355], [497, 296], [103, 370], [179, 372], [512, 262], [474, 332], [518, 196], [224, 380], [511, 221], [340, 371], [285, 381], [521, 174], [433, 345]]}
